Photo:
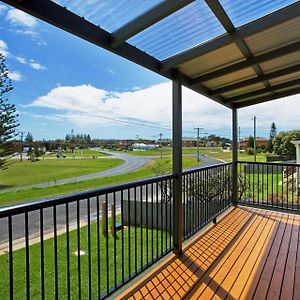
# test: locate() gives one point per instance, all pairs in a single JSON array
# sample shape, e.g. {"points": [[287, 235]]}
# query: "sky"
{"points": [[62, 82]]}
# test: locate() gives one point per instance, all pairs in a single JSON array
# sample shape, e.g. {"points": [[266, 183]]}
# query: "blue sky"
{"points": [[62, 82]]}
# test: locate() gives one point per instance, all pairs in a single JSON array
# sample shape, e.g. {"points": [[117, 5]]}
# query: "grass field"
{"points": [[29, 173], [84, 153], [26, 195], [161, 241], [214, 152]]}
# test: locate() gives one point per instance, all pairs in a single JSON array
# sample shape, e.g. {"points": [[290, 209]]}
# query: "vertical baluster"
{"points": [[89, 248], [122, 224], [55, 252], [98, 247], [68, 251], [27, 256], [11, 263], [42, 254], [78, 250]]}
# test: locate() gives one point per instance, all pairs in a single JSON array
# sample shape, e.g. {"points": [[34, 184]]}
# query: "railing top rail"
{"points": [[269, 163], [6, 211]]}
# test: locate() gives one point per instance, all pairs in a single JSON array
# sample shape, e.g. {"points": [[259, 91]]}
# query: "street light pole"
{"points": [[160, 144]]}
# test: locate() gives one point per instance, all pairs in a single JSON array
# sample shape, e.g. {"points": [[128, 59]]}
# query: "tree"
{"points": [[8, 117], [29, 138], [250, 142], [273, 133], [282, 142]]}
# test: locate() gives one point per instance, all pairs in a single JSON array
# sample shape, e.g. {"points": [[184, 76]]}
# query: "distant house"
{"points": [[143, 147], [189, 142], [260, 142]]}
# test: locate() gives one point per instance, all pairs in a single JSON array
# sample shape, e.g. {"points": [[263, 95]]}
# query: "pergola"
{"points": [[237, 53]]}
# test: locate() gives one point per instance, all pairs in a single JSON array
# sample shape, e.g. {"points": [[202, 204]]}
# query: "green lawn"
{"points": [[84, 153], [162, 240], [29, 173], [13, 197]]}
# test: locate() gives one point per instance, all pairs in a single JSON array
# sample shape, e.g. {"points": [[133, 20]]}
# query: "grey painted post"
{"points": [[177, 165], [234, 157]]}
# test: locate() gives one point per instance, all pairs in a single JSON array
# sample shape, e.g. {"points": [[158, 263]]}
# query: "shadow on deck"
{"points": [[250, 254]]}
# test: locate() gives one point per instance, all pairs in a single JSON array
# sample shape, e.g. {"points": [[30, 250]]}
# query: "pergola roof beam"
{"points": [[221, 15], [248, 63], [149, 18], [273, 88], [248, 82], [268, 98], [244, 31]]}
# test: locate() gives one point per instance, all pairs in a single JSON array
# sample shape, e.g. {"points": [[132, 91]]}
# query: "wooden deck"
{"points": [[249, 254]]}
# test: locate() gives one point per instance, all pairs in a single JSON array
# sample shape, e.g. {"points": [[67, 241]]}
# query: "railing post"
{"points": [[234, 157], [177, 165]]}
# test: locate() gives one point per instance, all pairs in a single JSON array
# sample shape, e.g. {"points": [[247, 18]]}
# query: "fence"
{"points": [[273, 185], [87, 245]]}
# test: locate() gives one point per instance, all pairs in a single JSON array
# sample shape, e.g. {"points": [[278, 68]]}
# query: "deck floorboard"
{"points": [[249, 254]]}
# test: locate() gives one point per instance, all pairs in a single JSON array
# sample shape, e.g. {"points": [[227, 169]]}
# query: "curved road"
{"points": [[131, 163]]}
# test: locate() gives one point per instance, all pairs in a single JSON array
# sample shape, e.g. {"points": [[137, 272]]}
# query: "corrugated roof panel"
{"points": [[190, 26], [109, 14], [285, 78], [230, 78], [243, 90], [253, 97], [212, 61], [289, 88], [275, 37], [242, 12], [281, 62]]}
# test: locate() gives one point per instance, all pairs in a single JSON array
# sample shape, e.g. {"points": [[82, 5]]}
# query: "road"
{"points": [[131, 163]]}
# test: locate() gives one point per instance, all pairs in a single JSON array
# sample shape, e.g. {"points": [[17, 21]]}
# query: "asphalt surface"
{"points": [[130, 163]]}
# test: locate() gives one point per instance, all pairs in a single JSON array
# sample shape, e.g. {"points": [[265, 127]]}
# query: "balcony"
{"points": [[89, 245]]}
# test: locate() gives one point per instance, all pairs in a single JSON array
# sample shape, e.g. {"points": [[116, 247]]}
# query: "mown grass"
{"points": [[129, 256], [83, 153], [29, 173], [26, 195]]}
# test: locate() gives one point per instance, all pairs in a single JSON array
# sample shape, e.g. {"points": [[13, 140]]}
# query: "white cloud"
{"points": [[82, 105], [21, 60], [15, 75], [19, 18], [4, 48], [32, 63], [35, 65]]}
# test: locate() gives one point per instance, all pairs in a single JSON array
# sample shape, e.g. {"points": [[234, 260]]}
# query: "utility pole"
{"points": [[198, 139], [254, 134], [21, 152], [160, 144]]}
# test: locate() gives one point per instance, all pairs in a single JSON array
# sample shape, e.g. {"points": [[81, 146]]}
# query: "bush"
{"points": [[250, 151]]}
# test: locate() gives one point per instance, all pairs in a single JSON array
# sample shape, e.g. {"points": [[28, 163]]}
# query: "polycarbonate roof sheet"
{"points": [[244, 11], [275, 37], [284, 78], [190, 26], [281, 62], [243, 90], [230, 78], [109, 14], [213, 60]]}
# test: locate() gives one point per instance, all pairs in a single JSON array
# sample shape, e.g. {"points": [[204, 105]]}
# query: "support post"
{"points": [[177, 165], [234, 157]]}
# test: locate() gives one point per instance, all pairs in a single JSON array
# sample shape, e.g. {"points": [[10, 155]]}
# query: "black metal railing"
{"points": [[87, 245], [269, 185], [206, 194]]}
